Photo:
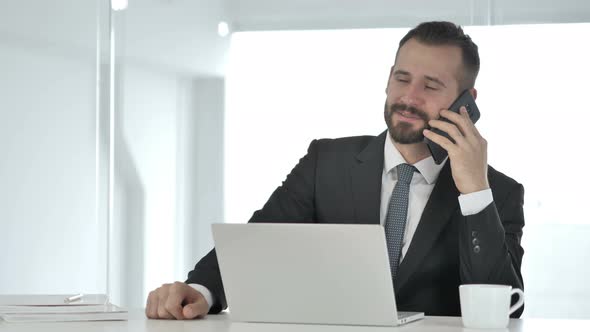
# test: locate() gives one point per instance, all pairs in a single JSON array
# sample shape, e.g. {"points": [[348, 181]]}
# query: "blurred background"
{"points": [[127, 128]]}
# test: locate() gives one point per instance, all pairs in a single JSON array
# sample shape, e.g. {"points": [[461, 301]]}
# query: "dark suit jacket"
{"points": [[339, 181]]}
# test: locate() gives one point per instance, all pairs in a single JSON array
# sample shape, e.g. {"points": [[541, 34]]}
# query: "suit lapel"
{"points": [[437, 214], [365, 176]]}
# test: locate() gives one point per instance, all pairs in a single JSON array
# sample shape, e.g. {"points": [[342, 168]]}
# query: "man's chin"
{"points": [[408, 142], [407, 137], [405, 132]]}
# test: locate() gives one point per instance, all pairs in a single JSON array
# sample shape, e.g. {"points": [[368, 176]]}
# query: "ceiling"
{"points": [[339, 14], [181, 35], [166, 35]]}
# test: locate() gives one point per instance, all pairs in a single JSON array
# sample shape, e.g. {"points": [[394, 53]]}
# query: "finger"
{"points": [[474, 138], [444, 142], [450, 129], [461, 120], [174, 301], [162, 312], [474, 129], [151, 308], [199, 308], [468, 121], [174, 309]]}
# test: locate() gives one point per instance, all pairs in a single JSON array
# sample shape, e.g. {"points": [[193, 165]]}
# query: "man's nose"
{"points": [[413, 96]]}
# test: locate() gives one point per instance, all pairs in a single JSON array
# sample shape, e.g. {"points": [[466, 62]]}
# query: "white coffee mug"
{"points": [[488, 306]]}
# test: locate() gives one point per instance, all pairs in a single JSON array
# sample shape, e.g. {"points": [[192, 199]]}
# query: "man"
{"points": [[464, 219]]}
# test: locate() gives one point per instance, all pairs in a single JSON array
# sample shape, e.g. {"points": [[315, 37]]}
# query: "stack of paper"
{"points": [[55, 308]]}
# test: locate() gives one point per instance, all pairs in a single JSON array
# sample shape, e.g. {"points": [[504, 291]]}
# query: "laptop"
{"points": [[335, 274]]}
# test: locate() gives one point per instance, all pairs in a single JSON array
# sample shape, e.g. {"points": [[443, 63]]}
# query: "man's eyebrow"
{"points": [[435, 80], [428, 78], [401, 72]]}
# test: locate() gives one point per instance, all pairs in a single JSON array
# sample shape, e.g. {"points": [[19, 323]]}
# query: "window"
{"points": [[286, 88]]}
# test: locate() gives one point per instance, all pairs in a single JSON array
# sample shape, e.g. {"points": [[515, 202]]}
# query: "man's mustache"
{"points": [[411, 109]]}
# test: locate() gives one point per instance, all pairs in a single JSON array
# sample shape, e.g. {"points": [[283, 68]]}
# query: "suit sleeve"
{"points": [[292, 202], [489, 243]]}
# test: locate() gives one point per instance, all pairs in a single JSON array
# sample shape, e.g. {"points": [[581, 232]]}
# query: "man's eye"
{"points": [[404, 80], [429, 87]]}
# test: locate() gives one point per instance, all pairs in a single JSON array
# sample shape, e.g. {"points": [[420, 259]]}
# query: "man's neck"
{"points": [[413, 153]]}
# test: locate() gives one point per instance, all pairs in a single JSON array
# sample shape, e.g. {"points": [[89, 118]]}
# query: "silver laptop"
{"points": [[307, 273]]}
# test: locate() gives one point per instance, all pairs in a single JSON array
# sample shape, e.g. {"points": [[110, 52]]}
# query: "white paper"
{"points": [[78, 317], [50, 300], [52, 308]]}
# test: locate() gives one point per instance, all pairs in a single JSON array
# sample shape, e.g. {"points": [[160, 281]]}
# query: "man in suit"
{"points": [[464, 219]]}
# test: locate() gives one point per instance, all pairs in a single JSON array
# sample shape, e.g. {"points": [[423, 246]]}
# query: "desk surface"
{"points": [[222, 323]]}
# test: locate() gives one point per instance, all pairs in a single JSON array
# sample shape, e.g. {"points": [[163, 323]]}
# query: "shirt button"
{"points": [[474, 233], [476, 249], [475, 241]]}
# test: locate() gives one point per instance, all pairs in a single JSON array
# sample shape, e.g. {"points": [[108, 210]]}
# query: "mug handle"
{"points": [[518, 303]]}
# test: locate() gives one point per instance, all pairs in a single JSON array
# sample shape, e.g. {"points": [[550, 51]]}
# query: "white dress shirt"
{"points": [[420, 189]]}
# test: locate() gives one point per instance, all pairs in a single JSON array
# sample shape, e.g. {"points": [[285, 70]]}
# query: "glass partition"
{"points": [[52, 238]]}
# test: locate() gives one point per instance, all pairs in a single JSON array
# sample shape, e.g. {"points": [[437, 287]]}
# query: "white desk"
{"points": [[222, 323]]}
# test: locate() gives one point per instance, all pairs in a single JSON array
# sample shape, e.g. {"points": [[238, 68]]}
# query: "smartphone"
{"points": [[465, 99]]}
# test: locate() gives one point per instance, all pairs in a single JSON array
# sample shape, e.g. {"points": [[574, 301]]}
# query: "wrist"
{"points": [[476, 187]]}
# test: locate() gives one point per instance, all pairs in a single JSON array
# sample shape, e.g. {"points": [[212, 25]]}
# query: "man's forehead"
{"points": [[442, 61], [452, 51]]}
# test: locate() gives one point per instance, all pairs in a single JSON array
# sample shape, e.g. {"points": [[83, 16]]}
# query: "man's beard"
{"points": [[402, 132]]}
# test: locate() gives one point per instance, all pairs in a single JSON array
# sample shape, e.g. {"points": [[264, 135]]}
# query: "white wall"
{"points": [[168, 178], [285, 89], [145, 180], [47, 197], [168, 144], [200, 169]]}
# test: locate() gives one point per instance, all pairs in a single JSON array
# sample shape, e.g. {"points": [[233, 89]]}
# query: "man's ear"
{"points": [[473, 92]]}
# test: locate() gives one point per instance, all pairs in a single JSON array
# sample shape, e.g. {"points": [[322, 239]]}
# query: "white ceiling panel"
{"points": [[345, 14]]}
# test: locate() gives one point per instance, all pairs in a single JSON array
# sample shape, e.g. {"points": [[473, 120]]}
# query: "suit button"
{"points": [[476, 249], [475, 241], [474, 233]]}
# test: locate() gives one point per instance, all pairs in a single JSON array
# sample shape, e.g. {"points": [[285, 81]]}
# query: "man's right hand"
{"points": [[176, 301]]}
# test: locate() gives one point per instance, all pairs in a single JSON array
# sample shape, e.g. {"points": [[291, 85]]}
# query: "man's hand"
{"points": [[468, 155], [176, 301]]}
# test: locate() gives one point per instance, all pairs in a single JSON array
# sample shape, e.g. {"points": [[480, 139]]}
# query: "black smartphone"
{"points": [[465, 99]]}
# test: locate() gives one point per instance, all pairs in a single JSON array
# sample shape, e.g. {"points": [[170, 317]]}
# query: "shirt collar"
{"points": [[427, 167]]}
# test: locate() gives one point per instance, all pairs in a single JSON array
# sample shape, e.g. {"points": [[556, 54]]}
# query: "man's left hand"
{"points": [[468, 155]]}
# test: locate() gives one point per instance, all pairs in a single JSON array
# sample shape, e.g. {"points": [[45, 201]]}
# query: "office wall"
{"points": [[168, 148], [49, 231], [145, 179], [169, 142], [167, 125], [200, 169]]}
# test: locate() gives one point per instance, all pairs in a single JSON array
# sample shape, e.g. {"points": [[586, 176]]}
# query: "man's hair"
{"points": [[447, 33]]}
